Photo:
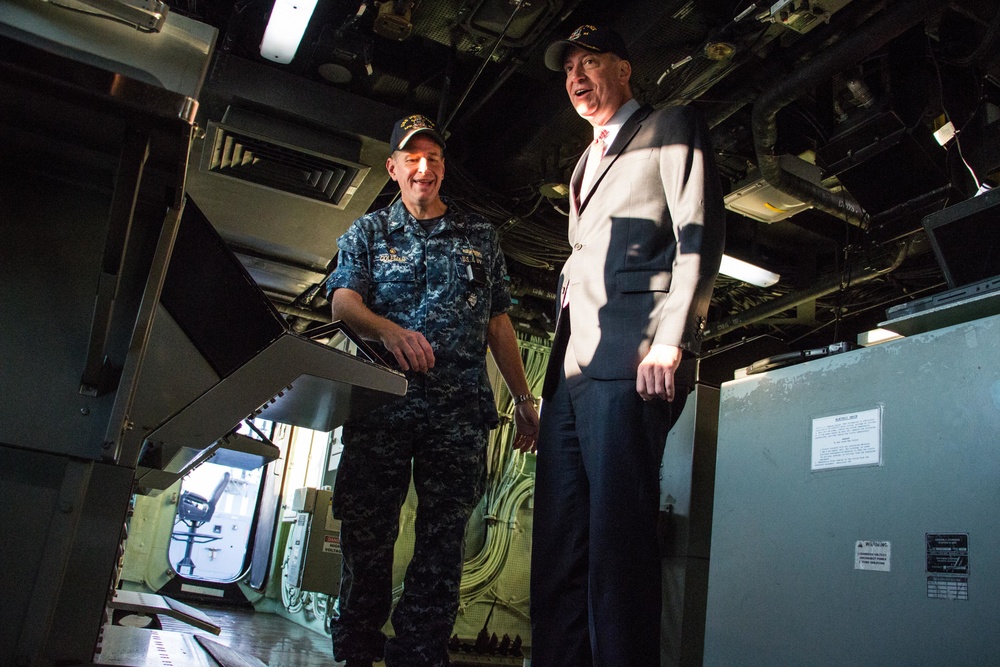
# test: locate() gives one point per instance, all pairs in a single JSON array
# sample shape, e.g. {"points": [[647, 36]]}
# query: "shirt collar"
{"points": [[398, 216], [624, 112]]}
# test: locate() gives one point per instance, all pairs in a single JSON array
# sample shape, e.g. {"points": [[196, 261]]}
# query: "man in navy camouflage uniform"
{"points": [[428, 281]]}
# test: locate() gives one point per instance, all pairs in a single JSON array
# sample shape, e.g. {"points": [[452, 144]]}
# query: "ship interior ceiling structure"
{"points": [[172, 188]]}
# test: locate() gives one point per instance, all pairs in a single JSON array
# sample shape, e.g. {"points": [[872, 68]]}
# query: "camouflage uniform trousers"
{"points": [[449, 472]]}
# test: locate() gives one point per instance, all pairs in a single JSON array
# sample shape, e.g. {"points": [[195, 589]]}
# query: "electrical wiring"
{"points": [[536, 244], [291, 596], [534, 357], [518, 607], [525, 238], [958, 130], [682, 93], [476, 196], [984, 45], [852, 301], [485, 568], [508, 487], [482, 570], [321, 604]]}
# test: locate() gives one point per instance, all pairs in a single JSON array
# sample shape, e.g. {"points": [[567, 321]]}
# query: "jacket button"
{"points": [[577, 246]]}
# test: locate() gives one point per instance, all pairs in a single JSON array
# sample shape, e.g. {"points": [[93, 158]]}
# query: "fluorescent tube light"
{"points": [[748, 273], [285, 28], [876, 336]]}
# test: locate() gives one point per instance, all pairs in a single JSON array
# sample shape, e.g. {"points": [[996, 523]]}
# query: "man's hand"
{"points": [[526, 422], [656, 373], [411, 349]]}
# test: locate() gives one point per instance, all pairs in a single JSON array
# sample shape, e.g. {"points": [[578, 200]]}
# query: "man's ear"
{"points": [[390, 166], [625, 69]]}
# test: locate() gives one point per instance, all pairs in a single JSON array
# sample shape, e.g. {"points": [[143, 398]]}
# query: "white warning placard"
{"points": [[331, 541], [331, 544], [872, 555], [847, 440]]}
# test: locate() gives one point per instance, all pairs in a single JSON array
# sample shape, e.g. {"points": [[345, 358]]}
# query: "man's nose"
{"points": [[422, 165]]}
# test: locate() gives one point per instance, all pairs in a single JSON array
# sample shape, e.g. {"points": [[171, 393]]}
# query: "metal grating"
{"points": [[284, 168], [531, 17]]}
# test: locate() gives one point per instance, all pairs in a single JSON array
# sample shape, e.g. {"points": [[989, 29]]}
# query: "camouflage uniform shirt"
{"points": [[447, 283]]}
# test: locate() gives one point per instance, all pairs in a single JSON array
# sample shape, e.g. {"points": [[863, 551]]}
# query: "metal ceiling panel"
{"points": [[274, 220]]}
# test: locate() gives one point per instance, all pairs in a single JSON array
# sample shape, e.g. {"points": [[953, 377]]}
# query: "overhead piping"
{"points": [[764, 72], [876, 34], [828, 286]]}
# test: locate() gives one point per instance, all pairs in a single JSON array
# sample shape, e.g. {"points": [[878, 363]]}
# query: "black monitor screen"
{"points": [[966, 239]]}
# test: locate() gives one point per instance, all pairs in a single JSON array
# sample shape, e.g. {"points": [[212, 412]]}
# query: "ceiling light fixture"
{"points": [[757, 199], [344, 54], [285, 28], [748, 273]]}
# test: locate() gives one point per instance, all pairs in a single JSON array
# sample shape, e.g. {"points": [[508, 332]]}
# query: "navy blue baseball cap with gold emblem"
{"points": [[598, 39], [409, 127]]}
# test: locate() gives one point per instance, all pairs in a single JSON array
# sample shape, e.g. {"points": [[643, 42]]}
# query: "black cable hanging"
{"points": [[486, 60]]}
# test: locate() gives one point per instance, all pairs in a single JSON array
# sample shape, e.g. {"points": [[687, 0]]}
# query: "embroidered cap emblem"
{"points": [[416, 123]]}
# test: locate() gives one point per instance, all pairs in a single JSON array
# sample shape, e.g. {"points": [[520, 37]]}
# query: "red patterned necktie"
{"points": [[597, 149], [599, 141]]}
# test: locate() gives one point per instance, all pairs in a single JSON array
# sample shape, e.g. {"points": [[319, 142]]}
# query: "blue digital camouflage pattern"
{"points": [[449, 475], [446, 283], [424, 282]]}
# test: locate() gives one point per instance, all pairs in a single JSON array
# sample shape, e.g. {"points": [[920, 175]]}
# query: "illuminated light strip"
{"points": [[748, 273], [285, 28]]}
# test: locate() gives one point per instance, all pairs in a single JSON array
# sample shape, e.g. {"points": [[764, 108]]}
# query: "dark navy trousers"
{"points": [[595, 562]]}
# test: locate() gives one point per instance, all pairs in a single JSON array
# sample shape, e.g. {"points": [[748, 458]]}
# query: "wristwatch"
{"points": [[521, 398]]}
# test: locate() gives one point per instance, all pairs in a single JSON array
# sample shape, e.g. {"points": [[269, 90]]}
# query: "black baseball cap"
{"points": [[598, 39], [409, 127]]}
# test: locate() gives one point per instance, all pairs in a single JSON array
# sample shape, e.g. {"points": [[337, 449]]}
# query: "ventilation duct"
{"points": [[234, 149], [876, 34], [757, 199], [282, 174], [317, 164]]}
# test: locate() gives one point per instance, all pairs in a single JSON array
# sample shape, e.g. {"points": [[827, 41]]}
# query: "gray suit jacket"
{"points": [[647, 240]]}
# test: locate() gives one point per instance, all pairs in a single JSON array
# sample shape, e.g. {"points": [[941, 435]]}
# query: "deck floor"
{"points": [[279, 642], [272, 639]]}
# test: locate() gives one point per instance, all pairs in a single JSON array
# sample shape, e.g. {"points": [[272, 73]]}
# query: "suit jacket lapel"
{"points": [[629, 129], [575, 182]]}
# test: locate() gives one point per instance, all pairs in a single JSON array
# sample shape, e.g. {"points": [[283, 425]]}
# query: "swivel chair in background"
{"points": [[195, 511]]}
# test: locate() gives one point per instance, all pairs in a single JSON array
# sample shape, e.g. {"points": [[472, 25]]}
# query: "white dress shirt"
{"points": [[624, 112]]}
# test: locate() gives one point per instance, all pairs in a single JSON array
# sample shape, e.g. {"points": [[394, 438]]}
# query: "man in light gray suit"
{"points": [[647, 227]]}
